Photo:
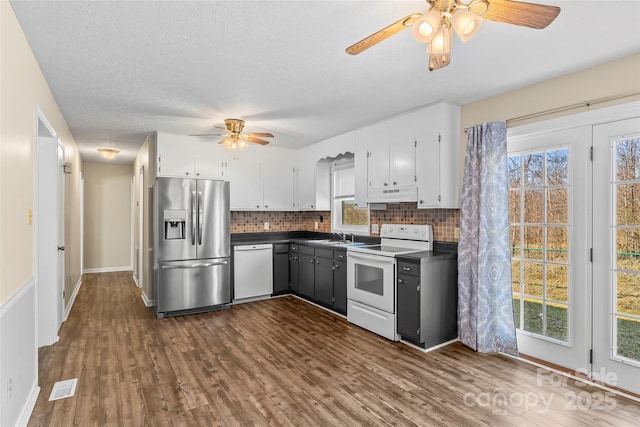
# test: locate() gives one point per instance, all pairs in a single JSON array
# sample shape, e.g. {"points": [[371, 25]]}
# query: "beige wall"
{"points": [[22, 88], [107, 216], [608, 79]]}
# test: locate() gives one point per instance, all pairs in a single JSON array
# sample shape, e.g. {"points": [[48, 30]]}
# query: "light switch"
{"points": [[456, 233], [374, 228], [315, 225], [266, 225]]}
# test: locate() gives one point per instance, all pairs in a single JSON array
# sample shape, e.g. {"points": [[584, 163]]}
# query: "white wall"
{"points": [[107, 217]]}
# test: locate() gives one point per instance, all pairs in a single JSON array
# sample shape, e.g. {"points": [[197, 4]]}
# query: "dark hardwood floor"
{"points": [[286, 362]]}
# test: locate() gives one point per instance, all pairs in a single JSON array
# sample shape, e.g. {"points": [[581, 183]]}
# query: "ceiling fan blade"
{"points": [[261, 134], [383, 34], [531, 15], [220, 127], [257, 140], [208, 134]]}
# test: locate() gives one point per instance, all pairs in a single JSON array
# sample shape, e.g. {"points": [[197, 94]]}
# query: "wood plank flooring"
{"points": [[285, 362]]}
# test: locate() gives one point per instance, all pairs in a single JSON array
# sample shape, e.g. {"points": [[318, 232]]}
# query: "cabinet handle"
{"points": [[311, 205], [317, 262], [421, 201], [337, 266], [385, 184], [186, 173], [311, 261], [406, 268], [197, 173], [395, 183], [266, 206], [400, 281], [418, 288], [257, 206]]}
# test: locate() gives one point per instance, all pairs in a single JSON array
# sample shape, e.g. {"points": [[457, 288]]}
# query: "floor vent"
{"points": [[63, 389]]}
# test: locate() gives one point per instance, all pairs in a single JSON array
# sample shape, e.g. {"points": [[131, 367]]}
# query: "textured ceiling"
{"points": [[122, 69]]}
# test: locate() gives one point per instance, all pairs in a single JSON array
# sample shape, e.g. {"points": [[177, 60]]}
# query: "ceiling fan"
{"points": [[435, 27], [234, 139]]}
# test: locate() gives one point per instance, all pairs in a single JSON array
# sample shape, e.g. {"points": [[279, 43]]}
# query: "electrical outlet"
{"points": [[374, 228], [266, 225], [315, 225], [456, 233]]}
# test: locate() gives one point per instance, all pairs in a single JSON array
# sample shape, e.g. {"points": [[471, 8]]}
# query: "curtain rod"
{"points": [[571, 107]]}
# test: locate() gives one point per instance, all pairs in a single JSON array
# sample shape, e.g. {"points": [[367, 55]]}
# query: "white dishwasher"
{"points": [[252, 271]]}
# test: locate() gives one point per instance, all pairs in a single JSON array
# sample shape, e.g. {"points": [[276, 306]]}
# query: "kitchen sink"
{"points": [[329, 242], [321, 241]]}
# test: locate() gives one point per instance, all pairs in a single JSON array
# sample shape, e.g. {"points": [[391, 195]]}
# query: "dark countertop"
{"points": [[442, 250], [300, 237]]}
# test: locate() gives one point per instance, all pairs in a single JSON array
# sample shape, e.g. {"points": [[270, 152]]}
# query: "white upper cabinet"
{"points": [[411, 157], [438, 158], [262, 182], [182, 156]]}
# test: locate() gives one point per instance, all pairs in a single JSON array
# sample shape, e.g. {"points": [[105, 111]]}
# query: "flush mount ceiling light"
{"points": [[108, 153], [235, 139], [436, 26]]}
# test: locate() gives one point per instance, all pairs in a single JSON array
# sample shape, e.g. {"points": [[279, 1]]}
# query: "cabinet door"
{"points": [[378, 167], [340, 286], [306, 197], [176, 161], [306, 275], [294, 263], [324, 281], [277, 182], [245, 186], [408, 295], [403, 163], [280, 271], [210, 161], [428, 170]]}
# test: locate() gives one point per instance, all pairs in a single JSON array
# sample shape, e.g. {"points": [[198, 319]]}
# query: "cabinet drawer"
{"points": [[324, 253], [408, 268], [340, 255], [307, 250], [293, 247]]}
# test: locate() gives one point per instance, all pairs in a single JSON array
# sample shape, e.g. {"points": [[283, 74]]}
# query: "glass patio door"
{"points": [[549, 186], [616, 254]]}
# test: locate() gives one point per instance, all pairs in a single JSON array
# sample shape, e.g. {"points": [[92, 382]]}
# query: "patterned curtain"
{"points": [[485, 305]]}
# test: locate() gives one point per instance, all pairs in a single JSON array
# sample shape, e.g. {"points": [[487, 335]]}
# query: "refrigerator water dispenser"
{"points": [[174, 223]]}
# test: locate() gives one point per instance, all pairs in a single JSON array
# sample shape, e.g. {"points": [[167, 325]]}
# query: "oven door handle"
{"points": [[373, 258]]}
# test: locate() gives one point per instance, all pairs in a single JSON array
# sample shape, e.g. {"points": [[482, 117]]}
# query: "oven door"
{"points": [[371, 280]]}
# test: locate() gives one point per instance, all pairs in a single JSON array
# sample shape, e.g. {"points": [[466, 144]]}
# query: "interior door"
{"points": [[550, 241], [60, 228], [616, 254]]}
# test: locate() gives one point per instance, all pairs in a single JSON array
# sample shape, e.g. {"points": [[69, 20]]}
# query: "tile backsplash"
{"points": [[444, 221]]}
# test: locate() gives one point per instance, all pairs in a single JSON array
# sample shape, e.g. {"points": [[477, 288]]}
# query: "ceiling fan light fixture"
{"points": [[242, 145], [466, 24], [441, 42], [108, 153], [424, 29]]}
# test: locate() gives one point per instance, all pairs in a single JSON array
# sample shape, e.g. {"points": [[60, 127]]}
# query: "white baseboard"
{"points": [[135, 280], [147, 302], [27, 409], [72, 299], [108, 269]]}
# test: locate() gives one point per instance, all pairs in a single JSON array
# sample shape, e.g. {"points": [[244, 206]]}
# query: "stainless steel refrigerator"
{"points": [[192, 245]]}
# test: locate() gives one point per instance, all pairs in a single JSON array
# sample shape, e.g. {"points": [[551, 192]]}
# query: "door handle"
{"points": [[200, 217], [196, 265], [61, 248], [193, 218]]}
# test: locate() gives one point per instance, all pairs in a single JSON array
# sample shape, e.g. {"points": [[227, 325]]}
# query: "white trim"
{"points": [[135, 280], [132, 201], [427, 350], [587, 118], [108, 269], [27, 409], [72, 299], [147, 302]]}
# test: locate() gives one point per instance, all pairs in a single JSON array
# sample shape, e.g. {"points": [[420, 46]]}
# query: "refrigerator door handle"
{"points": [[193, 218], [200, 217], [197, 265]]}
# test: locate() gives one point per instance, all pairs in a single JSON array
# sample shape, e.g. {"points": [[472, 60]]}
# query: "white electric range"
{"points": [[371, 276]]}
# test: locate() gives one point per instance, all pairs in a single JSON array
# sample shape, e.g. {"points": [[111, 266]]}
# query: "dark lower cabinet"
{"points": [[324, 277], [280, 268], [294, 263], [408, 293], [306, 275], [340, 286]]}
